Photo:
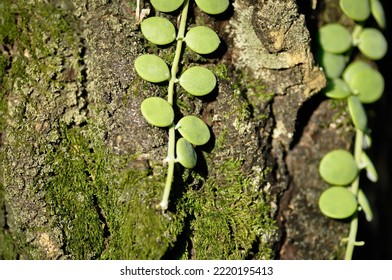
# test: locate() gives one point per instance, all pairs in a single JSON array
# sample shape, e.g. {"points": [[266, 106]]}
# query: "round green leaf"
{"points": [[335, 38], [158, 30], [338, 167], [152, 68], [198, 80], [202, 40], [213, 6], [357, 112], [356, 9], [166, 6], [372, 43], [186, 154], [353, 68], [368, 84], [332, 64], [378, 12], [194, 130], [157, 111], [337, 89], [338, 203]]}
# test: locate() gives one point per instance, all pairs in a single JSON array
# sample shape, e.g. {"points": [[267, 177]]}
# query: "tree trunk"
{"points": [[83, 172]]}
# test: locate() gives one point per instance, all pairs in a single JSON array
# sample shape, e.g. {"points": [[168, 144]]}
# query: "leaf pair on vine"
{"points": [[157, 111], [210, 7], [195, 80]]}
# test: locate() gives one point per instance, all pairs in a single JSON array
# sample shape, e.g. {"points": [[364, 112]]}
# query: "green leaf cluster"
{"points": [[196, 80], [337, 43], [357, 82]]}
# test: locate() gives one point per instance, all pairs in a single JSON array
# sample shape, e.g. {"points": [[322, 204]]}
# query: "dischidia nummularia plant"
{"points": [[358, 83], [195, 80]]}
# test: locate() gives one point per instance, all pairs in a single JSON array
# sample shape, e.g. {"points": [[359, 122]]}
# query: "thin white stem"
{"points": [[137, 13], [355, 189]]}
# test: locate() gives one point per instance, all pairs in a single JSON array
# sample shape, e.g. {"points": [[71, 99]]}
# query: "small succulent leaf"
{"points": [[358, 243], [337, 89], [213, 7], [372, 43], [202, 40], [371, 171], [357, 113], [166, 6], [335, 38], [158, 30], [356, 33], [194, 130], [353, 68], [186, 154], [367, 141], [338, 167], [378, 13], [157, 111], [332, 64], [368, 84], [338, 203], [198, 81], [358, 10], [365, 205], [152, 68]]}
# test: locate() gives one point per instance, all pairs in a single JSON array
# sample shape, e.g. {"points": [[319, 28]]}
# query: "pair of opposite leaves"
{"points": [[157, 111], [196, 80], [339, 169], [210, 7]]}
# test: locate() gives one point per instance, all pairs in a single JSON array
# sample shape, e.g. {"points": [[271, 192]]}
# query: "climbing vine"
{"points": [[347, 59], [196, 80]]}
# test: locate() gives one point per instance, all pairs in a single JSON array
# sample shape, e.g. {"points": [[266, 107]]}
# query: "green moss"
{"points": [[71, 195], [221, 71], [254, 88], [231, 217], [106, 209], [7, 248], [221, 140], [255, 95]]}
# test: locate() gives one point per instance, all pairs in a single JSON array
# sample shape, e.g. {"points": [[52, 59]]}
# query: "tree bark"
{"points": [[83, 172]]}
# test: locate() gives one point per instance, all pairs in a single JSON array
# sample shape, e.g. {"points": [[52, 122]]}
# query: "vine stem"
{"points": [[355, 189], [170, 98]]}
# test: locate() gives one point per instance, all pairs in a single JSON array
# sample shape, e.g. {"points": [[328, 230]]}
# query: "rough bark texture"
{"points": [[83, 172]]}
